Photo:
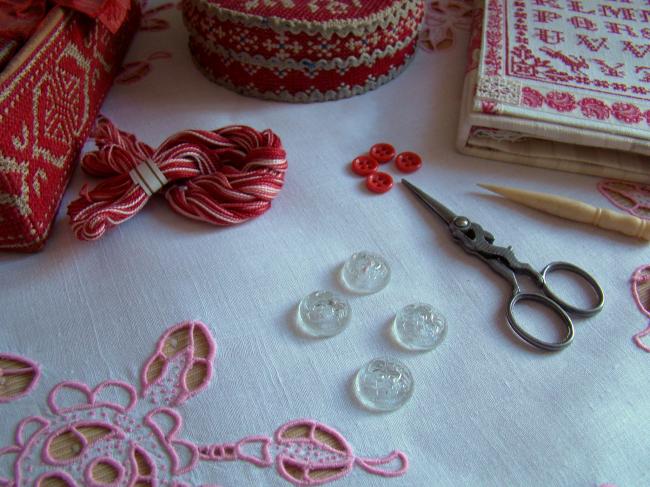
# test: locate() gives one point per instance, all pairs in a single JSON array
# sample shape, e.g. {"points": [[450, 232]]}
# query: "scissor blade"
{"points": [[438, 208]]}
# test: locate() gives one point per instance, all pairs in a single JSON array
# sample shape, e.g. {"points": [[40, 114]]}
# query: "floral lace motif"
{"points": [[498, 89], [497, 134], [106, 436], [443, 21], [18, 377], [641, 293], [633, 198], [151, 23], [135, 71]]}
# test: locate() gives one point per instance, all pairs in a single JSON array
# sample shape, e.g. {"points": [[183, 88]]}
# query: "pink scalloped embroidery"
{"points": [[61, 476], [116, 466], [641, 288], [135, 71], [640, 284], [74, 430], [93, 397], [633, 198], [170, 442], [639, 339], [20, 366], [177, 361], [443, 21], [148, 477], [107, 425], [306, 452], [150, 22]]}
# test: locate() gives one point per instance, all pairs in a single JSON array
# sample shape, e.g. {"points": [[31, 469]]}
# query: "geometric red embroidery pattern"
{"points": [[517, 61], [590, 107], [302, 51], [48, 101]]}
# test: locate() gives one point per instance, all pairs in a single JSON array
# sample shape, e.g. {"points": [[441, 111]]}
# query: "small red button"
{"points": [[408, 162], [379, 182], [382, 152], [364, 165]]}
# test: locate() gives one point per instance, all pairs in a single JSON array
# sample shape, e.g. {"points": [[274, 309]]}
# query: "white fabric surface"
{"points": [[486, 409]]}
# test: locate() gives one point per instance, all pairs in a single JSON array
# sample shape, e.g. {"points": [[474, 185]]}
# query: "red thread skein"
{"points": [[223, 177]]}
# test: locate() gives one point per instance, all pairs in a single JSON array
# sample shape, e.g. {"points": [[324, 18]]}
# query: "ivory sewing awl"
{"points": [[576, 210]]}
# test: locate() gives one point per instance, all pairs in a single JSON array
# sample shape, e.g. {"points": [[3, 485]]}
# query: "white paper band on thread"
{"points": [[148, 177]]}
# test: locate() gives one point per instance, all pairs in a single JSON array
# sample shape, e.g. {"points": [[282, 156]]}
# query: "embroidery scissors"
{"points": [[480, 243]]}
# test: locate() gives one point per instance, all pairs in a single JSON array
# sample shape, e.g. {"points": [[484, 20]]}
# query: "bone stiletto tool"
{"points": [[576, 210]]}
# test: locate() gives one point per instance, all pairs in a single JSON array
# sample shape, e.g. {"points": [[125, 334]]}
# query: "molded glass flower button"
{"points": [[323, 314], [365, 273], [383, 384], [420, 327]]}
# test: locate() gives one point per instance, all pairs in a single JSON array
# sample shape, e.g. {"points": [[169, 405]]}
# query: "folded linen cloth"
{"points": [[561, 84]]}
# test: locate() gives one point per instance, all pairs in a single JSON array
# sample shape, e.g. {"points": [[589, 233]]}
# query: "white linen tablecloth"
{"points": [[486, 410]]}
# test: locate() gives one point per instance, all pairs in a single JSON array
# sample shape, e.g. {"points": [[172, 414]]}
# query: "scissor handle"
{"points": [[566, 266], [533, 340]]}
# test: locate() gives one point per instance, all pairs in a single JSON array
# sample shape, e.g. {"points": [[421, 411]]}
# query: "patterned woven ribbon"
{"points": [[20, 18], [224, 177]]}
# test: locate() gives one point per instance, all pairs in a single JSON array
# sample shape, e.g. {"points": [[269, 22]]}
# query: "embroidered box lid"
{"points": [[302, 51], [577, 63], [324, 17]]}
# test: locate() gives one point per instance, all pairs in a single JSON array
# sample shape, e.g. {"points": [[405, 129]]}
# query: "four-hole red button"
{"points": [[364, 165], [408, 162], [379, 182], [382, 152]]}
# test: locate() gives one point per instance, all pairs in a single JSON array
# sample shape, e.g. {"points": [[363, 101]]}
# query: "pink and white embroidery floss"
{"points": [[223, 177]]}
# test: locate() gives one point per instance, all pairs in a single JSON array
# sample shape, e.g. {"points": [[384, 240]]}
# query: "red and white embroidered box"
{"points": [[302, 51], [562, 84], [50, 93]]}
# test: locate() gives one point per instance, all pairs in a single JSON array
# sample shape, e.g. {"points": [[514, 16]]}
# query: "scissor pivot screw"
{"points": [[461, 222]]}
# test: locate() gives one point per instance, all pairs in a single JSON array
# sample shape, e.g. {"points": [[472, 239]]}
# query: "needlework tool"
{"points": [[476, 241], [575, 210]]}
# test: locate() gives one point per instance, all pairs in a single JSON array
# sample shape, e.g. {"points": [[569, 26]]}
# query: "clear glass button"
{"points": [[383, 384], [323, 314], [420, 327], [365, 273]]}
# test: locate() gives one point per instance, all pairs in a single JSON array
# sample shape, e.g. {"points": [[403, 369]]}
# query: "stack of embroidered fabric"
{"points": [[302, 51], [560, 84]]}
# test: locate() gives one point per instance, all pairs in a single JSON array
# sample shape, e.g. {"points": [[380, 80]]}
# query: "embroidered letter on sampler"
{"points": [[560, 84]]}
